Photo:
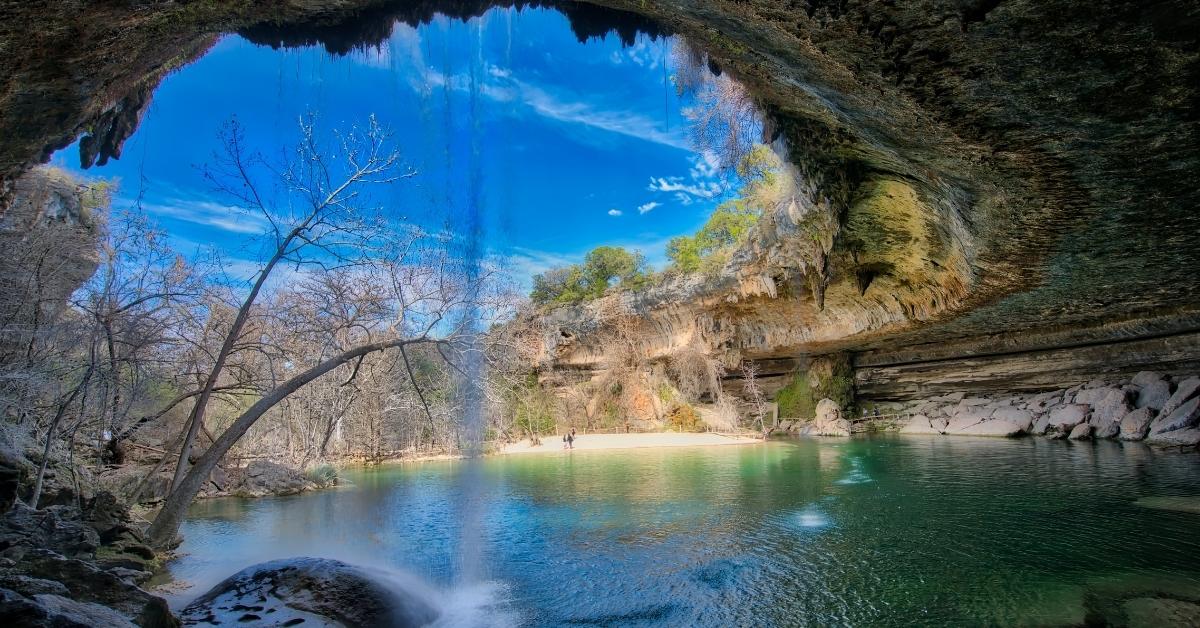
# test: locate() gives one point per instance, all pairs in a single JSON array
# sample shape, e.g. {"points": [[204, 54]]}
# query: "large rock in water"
{"points": [[921, 424], [1185, 416], [993, 427], [1063, 418], [1154, 394], [261, 478], [1135, 424], [316, 591], [829, 421]]}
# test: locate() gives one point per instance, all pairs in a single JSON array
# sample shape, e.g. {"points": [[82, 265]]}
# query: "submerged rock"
{"points": [[316, 591]]}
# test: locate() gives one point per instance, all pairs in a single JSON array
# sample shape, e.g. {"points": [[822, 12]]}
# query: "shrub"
{"points": [[827, 377], [796, 398], [322, 475], [684, 418]]}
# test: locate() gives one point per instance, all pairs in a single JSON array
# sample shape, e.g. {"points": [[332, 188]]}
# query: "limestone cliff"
{"points": [[1006, 176]]}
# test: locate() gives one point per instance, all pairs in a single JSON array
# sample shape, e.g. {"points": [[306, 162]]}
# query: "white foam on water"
{"points": [[811, 518], [478, 605]]}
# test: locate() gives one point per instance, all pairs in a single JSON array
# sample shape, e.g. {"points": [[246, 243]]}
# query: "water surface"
{"points": [[867, 531]]}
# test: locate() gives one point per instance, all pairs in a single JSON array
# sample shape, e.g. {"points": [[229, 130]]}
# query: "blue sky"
{"points": [[565, 145]]}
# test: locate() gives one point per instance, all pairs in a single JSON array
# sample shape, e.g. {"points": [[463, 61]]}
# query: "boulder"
{"points": [[1188, 437], [993, 427], [972, 414], [1185, 416], [1136, 424], [975, 401], [47, 609], [87, 583], [1107, 430], [1044, 401], [219, 479], [261, 478], [960, 423], [921, 424], [57, 528], [1021, 418], [1041, 425], [1063, 418], [829, 421], [1083, 431], [298, 588], [1186, 390], [1111, 408], [1093, 396], [1154, 394], [1145, 378]]}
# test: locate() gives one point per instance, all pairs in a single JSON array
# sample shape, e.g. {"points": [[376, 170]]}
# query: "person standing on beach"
{"points": [[571, 439]]}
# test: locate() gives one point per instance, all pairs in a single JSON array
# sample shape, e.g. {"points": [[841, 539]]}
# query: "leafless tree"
{"points": [[753, 394], [331, 227]]}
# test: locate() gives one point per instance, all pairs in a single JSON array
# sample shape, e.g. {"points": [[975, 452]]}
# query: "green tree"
{"points": [[684, 254], [605, 265]]}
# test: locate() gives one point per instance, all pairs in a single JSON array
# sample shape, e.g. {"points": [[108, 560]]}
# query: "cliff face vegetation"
{"points": [[998, 177]]}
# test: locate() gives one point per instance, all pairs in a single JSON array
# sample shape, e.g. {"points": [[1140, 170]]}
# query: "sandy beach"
{"points": [[595, 442]]}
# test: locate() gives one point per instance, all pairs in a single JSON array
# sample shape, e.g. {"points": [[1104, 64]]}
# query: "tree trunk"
{"points": [[58, 415], [196, 420], [162, 532]]}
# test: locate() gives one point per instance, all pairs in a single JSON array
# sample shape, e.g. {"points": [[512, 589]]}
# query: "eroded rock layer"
{"points": [[998, 171]]}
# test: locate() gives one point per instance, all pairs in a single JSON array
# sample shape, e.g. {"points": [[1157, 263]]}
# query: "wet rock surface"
{"points": [[311, 592]]}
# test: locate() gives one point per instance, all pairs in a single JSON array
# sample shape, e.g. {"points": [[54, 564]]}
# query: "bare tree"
{"points": [[420, 296], [753, 394], [331, 228]]}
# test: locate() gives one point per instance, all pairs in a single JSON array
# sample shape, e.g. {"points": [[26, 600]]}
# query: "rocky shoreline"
{"points": [[80, 559], [1151, 407], [77, 566]]}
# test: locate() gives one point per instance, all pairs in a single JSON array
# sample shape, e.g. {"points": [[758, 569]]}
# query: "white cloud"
{"points": [[646, 207], [523, 263], [704, 181], [209, 214], [615, 212], [501, 86], [693, 188]]}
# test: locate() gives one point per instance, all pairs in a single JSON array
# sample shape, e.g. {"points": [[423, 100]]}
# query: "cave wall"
{"points": [[1002, 171]]}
